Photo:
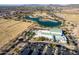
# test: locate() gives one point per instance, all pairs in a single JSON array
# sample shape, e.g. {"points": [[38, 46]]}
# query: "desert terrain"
{"points": [[9, 29], [72, 17]]}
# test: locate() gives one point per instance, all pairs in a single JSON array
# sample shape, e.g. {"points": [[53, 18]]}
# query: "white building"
{"points": [[54, 34]]}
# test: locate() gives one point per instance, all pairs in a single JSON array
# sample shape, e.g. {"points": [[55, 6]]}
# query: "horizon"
{"points": [[33, 4], [39, 2]]}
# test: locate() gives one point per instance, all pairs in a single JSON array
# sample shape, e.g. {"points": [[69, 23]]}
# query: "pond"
{"points": [[50, 23]]}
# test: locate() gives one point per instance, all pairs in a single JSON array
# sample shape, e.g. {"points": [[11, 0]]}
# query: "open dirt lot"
{"points": [[9, 29], [72, 17]]}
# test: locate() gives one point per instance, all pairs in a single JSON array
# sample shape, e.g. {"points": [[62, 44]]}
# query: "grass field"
{"points": [[9, 29]]}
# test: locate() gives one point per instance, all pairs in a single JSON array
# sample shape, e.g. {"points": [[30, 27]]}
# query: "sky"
{"points": [[39, 2]]}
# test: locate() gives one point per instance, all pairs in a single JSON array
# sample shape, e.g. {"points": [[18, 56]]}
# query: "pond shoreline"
{"points": [[49, 23]]}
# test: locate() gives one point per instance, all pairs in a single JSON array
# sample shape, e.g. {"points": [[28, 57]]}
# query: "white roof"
{"points": [[50, 34]]}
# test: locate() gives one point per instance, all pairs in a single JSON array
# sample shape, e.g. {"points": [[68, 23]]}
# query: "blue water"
{"points": [[52, 23]]}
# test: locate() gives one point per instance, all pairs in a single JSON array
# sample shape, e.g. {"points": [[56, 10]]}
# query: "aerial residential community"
{"points": [[39, 29]]}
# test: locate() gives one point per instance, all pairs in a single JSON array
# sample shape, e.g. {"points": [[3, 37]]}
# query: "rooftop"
{"points": [[54, 33]]}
